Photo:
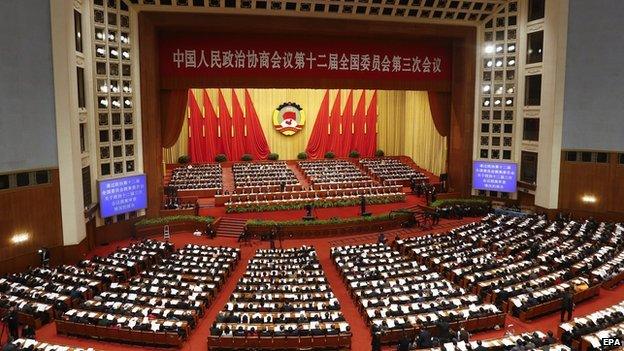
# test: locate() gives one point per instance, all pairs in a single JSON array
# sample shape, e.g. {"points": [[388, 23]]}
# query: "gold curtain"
{"points": [[422, 142], [404, 122], [405, 127]]}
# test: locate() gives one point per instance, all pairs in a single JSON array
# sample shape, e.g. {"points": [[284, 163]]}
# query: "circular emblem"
{"points": [[288, 118]]}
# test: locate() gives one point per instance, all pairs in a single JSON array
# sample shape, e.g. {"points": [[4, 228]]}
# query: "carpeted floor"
{"points": [[361, 337]]}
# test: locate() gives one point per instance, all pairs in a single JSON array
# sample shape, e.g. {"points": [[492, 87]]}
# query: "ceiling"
{"points": [[458, 12]]}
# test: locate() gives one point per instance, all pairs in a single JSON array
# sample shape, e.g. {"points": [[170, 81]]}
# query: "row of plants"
{"points": [[172, 219], [463, 202], [184, 159], [254, 207], [333, 220]]}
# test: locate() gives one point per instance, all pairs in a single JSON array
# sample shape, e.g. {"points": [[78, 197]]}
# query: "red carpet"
{"points": [[361, 337]]}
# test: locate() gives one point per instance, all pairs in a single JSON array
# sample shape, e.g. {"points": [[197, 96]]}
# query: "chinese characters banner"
{"points": [[195, 54]]}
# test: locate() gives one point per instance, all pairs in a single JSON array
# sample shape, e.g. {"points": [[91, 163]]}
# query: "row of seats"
{"points": [[397, 293], [523, 264], [332, 171], [283, 298], [252, 174], [525, 341], [588, 330], [390, 169], [197, 177], [42, 293], [376, 192], [162, 303], [30, 344]]}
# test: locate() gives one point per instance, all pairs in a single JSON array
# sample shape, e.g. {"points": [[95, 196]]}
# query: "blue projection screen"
{"points": [[122, 195], [494, 176]]}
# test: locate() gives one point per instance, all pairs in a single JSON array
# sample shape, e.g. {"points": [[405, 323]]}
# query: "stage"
{"points": [[411, 201]]}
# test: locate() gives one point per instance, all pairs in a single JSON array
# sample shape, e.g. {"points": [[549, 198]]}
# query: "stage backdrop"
{"points": [[405, 125]]}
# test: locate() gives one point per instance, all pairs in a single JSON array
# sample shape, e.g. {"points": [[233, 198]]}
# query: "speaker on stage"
{"points": [[363, 212], [308, 216]]}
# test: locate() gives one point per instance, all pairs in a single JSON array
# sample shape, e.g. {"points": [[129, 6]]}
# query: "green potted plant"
{"points": [[220, 158], [246, 157], [330, 154], [379, 153], [184, 159], [273, 156], [302, 156], [354, 154]]}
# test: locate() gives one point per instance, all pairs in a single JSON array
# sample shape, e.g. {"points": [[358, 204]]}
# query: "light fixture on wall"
{"points": [[20, 238], [589, 199]]}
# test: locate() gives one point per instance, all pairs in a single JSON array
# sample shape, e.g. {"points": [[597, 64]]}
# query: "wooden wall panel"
{"points": [[35, 210], [462, 114], [113, 232], [603, 180], [150, 114]]}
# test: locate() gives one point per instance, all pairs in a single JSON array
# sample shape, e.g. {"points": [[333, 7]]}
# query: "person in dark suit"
{"points": [[9, 347], [28, 332], [550, 338], [12, 323], [443, 329], [424, 339], [404, 343], [463, 335], [480, 346], [214, 331], [376, 343], [567, 304]]}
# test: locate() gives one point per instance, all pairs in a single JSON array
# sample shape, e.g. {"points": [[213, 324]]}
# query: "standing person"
{"points": [[278, 229], [210, 232], [567, 304], [443, 330], [376, 343], [381, 239], [28, 332], [13, 324], [272, 237], [404, 343]]}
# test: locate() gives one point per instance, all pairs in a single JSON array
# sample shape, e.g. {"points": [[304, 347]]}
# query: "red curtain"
{"points": [[319, 138], [347, 126], [225, 127], [440, 105], [359, 118], [335, 127], [172, 106], [210, 128], [370, 135], [255, 141], [196, 138], [238, 136]]}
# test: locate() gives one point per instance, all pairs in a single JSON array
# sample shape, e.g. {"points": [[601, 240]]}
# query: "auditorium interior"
{"points": [[311, 175]]}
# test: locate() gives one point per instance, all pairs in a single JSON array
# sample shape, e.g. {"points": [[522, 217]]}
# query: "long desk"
{"points": [[334, 342], [116, 334], [613, 282], [39, 345], [471, 325], [301, 195], [555, 305]]}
